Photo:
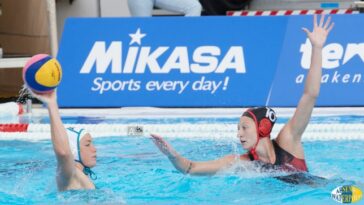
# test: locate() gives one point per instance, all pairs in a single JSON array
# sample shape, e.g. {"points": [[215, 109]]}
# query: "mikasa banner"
{"points": [[183, 62]]}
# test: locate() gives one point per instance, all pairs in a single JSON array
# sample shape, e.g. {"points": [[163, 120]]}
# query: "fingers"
{"points": [[32, 93], [162, 145], [38, 96], [157, 142], [306, 31], [53, 92], [330, 28], [322, 20], [157, 137], [327, 23]]}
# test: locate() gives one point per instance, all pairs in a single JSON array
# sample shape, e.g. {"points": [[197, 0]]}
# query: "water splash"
{"points": [[24, 95]]}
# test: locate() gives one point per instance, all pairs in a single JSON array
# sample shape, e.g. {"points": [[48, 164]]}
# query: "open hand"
{"points": [[320, 31], [163, 146]]}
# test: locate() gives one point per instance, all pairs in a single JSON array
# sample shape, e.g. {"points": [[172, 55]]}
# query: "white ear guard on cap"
{"points": [[74, 137]]}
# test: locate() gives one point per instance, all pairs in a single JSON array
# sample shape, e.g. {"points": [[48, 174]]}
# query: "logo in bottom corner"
{"points": [[347, 194]]}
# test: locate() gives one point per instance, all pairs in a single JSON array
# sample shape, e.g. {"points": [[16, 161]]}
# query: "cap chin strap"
{"points": [[86, 170], [253, 150], [89, 172]]}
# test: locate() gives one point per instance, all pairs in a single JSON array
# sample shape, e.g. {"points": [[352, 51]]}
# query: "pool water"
{"points": [[131, 170]]}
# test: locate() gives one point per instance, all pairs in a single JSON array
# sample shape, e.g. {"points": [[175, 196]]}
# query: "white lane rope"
{"points": [[332, 131]]}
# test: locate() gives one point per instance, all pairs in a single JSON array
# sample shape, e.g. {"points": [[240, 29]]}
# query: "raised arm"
{"points": [[187, 166], [65, 159], [292, 132]]}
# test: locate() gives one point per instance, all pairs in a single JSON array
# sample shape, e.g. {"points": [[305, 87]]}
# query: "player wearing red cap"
{"points": [[255, 126]]}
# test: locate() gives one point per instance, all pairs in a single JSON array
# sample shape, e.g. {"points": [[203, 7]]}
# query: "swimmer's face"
{"points": [[247, 132], [88, 151]]}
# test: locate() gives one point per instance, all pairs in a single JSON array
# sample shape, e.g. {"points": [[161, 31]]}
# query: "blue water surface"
{"points": [[132, 170]]}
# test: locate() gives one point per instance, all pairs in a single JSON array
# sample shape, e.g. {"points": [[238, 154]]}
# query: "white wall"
{"points": [[89, 8], [79, 8], [114, 8]]}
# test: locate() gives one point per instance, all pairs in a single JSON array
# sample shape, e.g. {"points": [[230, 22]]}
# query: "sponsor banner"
{"points": [[342, 82], [206, 62], [169, 62]]}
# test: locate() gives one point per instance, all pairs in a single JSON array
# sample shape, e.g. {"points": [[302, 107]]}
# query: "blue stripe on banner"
{"points": [[329, 5]]}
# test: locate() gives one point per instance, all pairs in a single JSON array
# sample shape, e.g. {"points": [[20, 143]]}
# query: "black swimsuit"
{"points": [[285, 160]]}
